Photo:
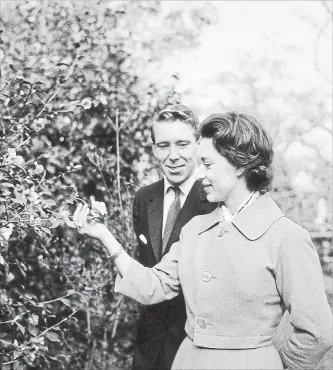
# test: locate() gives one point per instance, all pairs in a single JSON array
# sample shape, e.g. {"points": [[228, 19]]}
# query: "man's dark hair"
{"points": [[244, 143], [172, 113]]}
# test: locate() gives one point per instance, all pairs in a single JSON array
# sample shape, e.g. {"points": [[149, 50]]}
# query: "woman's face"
{"points": [[219, 178]]}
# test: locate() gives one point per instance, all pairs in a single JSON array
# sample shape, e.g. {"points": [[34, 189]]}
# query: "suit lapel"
{"points": [[194, 205], [155, 218]]}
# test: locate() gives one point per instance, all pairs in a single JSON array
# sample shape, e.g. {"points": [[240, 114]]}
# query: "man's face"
{"points": [[218, 176], [175, 148]]}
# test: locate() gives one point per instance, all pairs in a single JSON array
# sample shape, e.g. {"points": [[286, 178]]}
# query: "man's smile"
{"points": [[174, 168]]}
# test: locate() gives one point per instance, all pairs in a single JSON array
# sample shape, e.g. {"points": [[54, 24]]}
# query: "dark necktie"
{"points": [[171, 218]]}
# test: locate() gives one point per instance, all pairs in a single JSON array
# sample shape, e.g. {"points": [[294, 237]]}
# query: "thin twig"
{"points": [[320, 33], [19, 316], [104, 182], [91, 357], [118, 160], [57, 299], [1, 91], [328, 9], [88, 320], [25, 101]]}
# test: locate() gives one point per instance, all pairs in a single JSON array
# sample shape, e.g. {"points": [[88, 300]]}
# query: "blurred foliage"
{"points": [[74, 113]]}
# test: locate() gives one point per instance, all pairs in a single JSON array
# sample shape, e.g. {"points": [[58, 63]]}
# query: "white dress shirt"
{"points": [[169, 195]]}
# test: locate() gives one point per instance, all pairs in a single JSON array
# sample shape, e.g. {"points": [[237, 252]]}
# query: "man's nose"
{"points": [[174, 154]]}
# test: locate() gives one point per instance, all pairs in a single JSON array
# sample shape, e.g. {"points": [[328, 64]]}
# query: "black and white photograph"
{"points": [[166, 185]]}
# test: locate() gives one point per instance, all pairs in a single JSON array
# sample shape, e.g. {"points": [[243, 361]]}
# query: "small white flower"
{"points": [[39, 168], [98, 208], [10, 277], [6, 231], [11, 153], [34, 196], [102, 99]]}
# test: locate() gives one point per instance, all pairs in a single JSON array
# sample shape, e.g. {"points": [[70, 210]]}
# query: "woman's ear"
{"points": [[240, 171]]}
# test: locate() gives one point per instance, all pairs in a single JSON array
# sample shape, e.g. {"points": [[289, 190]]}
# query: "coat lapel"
{"points": [[155, 218], [258, 217]]}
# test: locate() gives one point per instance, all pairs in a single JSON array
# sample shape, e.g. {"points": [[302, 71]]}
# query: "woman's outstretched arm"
{"points": [[99, 231], [148, 286]]}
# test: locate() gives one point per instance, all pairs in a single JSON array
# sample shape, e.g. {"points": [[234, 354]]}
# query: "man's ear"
{"points": [[240, 171], [154, 149]]}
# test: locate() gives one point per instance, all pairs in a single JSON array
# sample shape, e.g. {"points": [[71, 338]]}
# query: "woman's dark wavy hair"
{"points": [[244, 143]]}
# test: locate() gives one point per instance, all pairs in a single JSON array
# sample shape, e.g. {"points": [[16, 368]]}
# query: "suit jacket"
{"points": [[160, 328], [238, 278]]}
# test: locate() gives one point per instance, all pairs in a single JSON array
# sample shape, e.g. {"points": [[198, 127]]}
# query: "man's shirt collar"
{"points": [[185, 187]]}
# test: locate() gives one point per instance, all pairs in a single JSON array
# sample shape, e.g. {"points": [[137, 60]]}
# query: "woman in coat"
{"points": [[240, 267]]}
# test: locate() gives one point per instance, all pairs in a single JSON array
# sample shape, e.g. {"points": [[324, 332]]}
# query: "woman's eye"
{"points": [[163, 146], [207, 165]]}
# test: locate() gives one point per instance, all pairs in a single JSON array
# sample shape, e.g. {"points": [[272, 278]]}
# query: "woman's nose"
{"points": [[200, 172]]}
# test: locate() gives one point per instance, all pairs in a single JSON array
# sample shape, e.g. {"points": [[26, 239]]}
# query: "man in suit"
{"points": [[160, 210]]}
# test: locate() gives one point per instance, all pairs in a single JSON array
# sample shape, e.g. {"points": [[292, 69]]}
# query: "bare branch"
{"points": [[315, 46], [25, 101], [117, 126], [327, 8], [110, 122], [88, 320]]}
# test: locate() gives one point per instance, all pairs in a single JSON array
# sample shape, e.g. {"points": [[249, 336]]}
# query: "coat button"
{"points": [[221, 231], [201, 323], [206, 276]]}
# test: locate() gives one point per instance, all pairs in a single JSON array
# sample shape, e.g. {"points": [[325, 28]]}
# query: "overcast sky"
{"points": [[284, 30], [279, 30]]}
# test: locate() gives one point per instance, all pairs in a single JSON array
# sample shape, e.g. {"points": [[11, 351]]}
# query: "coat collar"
{"points": [[252, 222], [185, 187]]}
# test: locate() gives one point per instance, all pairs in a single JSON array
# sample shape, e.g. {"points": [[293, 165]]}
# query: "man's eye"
{"points": [[183, 145], [162, 146]]}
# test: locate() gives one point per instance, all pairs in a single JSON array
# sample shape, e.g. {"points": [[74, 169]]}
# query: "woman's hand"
{"points": [[97, 230], [94, 228]]}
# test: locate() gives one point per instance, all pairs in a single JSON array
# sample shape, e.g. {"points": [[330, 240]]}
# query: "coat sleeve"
{"points": [[152, 285], [300, 283]]}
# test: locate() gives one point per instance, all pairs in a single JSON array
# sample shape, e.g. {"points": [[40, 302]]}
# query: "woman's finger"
{"points": [[68, 222], [82, 217], [76, 216], [85, 214]]}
